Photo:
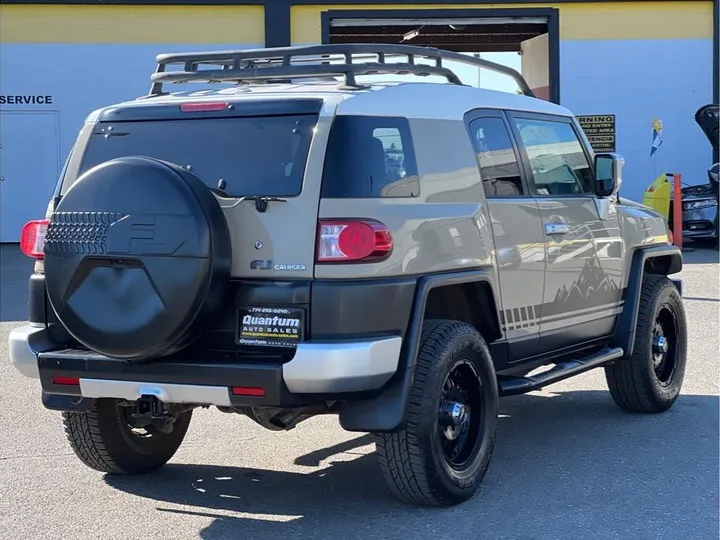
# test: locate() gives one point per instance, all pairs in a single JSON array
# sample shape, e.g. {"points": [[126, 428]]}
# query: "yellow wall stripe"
{"points": [[595, 20], [245, 24], [131, 24]]}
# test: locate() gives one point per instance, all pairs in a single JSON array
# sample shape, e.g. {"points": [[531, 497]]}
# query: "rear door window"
{"points": [[369, 157], [253, 155], [499, 167]]}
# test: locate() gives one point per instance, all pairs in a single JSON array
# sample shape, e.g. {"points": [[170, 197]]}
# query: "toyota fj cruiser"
{"points": [[301, 243]]}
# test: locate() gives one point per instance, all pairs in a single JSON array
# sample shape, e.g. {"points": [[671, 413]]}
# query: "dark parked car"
{"points": [[700, 202]]}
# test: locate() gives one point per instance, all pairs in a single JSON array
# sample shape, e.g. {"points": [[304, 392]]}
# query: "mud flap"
{"points": [[386, 412]]}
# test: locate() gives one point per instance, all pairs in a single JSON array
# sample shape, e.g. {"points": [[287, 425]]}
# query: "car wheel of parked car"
{"points": [[649, 381], [442, 451], [105, 439]]}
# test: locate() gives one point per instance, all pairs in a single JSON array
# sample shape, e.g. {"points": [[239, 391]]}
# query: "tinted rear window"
{"points": [[255, 156], [370, 156]]}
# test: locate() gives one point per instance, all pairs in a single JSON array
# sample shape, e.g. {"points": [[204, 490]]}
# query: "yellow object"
{"points": [[657, 195]]}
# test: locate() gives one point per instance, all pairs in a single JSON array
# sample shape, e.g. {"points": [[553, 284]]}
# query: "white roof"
{"points": [[428, 100], [439, 101]]}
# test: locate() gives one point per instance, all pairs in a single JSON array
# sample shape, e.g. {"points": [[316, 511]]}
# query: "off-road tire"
{"points": [[103, 441], [633, 382], [413, 465]]}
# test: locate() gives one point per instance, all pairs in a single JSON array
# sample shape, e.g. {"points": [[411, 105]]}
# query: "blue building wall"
{"points": [[636, 80]]}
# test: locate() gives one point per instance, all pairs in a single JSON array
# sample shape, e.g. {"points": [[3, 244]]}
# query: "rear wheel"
{"points": [[649, 381], [442, 452], [105, 439]]}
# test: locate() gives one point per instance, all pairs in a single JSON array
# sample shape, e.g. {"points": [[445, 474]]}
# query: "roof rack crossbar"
{"points": [[286, 62]]}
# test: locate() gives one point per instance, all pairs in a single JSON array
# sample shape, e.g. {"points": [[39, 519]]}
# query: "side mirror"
{"points": [[714, 174], [714, 178], [608, 174]]}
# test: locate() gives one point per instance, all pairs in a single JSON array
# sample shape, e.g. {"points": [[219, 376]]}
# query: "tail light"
{"points": [[32, 238], [353, 241], [66, 381]]}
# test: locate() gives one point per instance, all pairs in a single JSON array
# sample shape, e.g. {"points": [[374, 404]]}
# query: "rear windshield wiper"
{"points": [[261, 201]]}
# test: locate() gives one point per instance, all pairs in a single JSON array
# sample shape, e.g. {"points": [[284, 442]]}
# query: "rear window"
{"points": [[255, 156], [370, 156]]}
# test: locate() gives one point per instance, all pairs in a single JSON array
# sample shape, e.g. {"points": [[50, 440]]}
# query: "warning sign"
{"points": [[600, 131]]}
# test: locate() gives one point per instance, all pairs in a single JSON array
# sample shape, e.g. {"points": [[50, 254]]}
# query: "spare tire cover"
{"points": [[137, 258]]}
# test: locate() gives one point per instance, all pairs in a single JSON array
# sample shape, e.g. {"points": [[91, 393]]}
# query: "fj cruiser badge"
{"points": [[259, 264]]}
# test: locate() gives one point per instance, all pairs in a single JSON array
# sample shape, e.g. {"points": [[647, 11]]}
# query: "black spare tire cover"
{"points": [[137, 258]]}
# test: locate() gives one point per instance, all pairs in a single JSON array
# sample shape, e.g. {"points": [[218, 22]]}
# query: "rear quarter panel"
{"points": [[445, 228]]}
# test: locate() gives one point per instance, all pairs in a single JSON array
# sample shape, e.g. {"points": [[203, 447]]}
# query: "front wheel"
{"points": [[442, 452], [105, 439], [649, 380]]}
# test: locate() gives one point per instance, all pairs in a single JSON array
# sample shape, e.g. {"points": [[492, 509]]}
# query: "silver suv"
{"points": [[299, 243]]}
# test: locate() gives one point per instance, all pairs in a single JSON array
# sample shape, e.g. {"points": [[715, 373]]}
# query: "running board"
{"points": [[510, 386]]}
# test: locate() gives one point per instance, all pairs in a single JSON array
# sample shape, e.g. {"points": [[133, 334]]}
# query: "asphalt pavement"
{"points": [[567, 465]]}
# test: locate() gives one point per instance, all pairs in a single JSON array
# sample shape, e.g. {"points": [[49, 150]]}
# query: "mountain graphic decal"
{"points": [[593, 288]]}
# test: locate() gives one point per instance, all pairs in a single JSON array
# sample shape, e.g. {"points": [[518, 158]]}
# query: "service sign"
{"points": [[600, 131], [270, 327]]}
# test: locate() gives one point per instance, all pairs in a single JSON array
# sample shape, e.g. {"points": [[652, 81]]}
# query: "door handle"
{"points": [[556, 228]]}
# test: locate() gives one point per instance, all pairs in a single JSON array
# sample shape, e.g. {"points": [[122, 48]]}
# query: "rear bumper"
{"points": [[317, 369], [701, 223], [24, 344]]}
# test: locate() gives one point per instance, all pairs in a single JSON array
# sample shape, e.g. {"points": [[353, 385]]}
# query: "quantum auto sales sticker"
{"points": [[270, 327]]}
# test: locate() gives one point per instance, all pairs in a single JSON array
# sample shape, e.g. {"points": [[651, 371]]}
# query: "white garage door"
{"points": [[29, 166]]}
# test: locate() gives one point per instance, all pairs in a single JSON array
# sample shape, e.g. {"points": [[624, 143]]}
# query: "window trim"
{"points": [[545, 117], [477, 114]]}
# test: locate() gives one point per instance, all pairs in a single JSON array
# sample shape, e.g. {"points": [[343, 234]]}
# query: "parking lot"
{"points": [[568, 463]]}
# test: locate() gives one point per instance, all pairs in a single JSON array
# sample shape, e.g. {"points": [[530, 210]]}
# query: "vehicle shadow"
{"points": [[15, 269], [565, 465]]}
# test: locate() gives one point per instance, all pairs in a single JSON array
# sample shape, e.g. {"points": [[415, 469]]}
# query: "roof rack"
{"points": [[283, 63]]}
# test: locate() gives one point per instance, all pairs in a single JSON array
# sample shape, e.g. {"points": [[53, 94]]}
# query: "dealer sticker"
{"points": [[270, 327]]}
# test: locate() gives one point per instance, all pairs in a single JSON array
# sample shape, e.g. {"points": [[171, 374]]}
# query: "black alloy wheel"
{"points": [[460, 415]]}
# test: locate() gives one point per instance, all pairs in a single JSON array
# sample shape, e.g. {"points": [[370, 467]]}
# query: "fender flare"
{"points": [[624, 333], [385, 411]]}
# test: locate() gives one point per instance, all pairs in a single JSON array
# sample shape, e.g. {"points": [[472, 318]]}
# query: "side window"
{"points": [[499, 167], [370, 156], [558, 161]]}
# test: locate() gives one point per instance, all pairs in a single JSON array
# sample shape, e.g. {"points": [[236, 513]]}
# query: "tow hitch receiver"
{"points": [[149, 410]]}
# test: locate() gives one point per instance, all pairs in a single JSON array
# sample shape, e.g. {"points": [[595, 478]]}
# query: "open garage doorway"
{"points": [[525, 39]]}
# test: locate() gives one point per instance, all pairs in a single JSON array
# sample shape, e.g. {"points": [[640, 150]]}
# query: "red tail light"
{"points": [[203, 107], [353, 241], [66, 381], [32, 238], [252, 391]]}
